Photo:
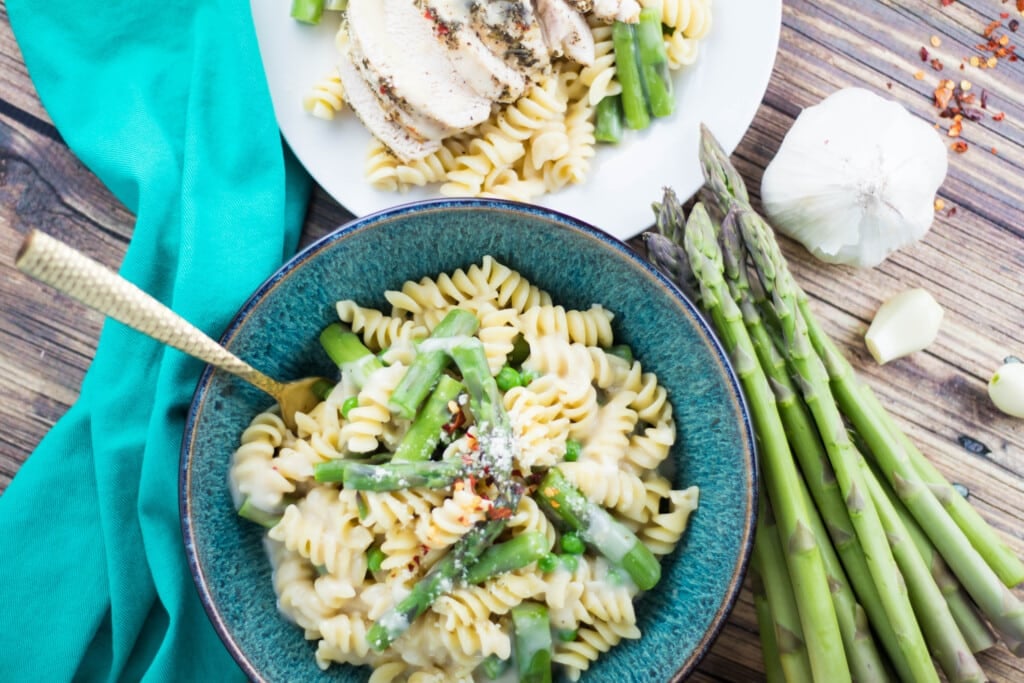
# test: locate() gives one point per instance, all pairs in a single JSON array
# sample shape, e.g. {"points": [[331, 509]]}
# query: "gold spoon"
{"points": [[56, 264]]}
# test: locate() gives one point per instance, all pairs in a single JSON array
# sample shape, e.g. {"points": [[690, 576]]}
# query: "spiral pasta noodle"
{"points": [[325, 98]]}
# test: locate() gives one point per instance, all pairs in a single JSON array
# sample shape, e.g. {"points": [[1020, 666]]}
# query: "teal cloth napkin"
{"points": [[167, 104]]}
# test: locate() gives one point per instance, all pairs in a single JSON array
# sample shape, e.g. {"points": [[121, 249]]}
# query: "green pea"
{"points": [[508, 377], [350, 403], [548, 563], [572, 543], [569, 562], [572, 450]]}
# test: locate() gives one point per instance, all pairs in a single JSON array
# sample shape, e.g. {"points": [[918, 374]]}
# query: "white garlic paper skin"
{"points": [[855, 178]]}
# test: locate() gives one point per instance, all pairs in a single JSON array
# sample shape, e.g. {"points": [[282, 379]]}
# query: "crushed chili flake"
{"points": [[923, 54], [943, 93], [994, 151], [1013, 25], [955, 128], [959, 146], [947, 3], [936, 64], [502, 513], [999, 116]]}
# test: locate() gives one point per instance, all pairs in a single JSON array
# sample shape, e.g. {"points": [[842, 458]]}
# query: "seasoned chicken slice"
{"points": [[610, 10], [566, 31], [485, 71], [510, 28], [380, 124], [403, 62]]}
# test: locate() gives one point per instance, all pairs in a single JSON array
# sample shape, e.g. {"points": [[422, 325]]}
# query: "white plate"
{"points": [[723, 89]]}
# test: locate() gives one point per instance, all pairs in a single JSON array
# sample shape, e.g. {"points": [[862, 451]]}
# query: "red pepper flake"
{"points": [[959, 146], [500, 513], [943, 93], [923, 53], [994, 151], [999, 116], [1020, 6], [936, 64], [955, 128], [951, 212], [947, 3], [1013, 25]]}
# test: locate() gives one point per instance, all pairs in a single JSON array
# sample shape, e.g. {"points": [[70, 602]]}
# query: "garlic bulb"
{"points": [[1006, 388], [905, 323], [855, 178]]}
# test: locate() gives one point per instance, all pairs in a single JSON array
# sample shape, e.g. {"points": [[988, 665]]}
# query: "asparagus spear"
{"points": [[806, 445], [515, 553], [773, 671], [441, 578], [1007, 566], [251, 512], [654, 62], [347, 350], [782, 640], [561, 500], [532, 630], [398, 476], [946, 641], [976, 632], [627, 70], [307, 11], [425, 433], [812, 378], [803, 557], [608, 117], [431, 360]]}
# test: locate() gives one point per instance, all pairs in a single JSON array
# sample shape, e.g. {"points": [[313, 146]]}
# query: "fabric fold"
{"points": [[168, 105]]}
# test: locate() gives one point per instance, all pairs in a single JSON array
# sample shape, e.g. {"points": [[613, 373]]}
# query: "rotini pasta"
{"points": [[347, 555]]}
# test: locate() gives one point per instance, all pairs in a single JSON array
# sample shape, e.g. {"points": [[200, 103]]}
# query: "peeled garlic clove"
{"points": [[1006, 388], [905, 323]]}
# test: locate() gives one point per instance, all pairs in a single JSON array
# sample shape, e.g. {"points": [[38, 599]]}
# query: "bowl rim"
{"points": [[359, 223]]}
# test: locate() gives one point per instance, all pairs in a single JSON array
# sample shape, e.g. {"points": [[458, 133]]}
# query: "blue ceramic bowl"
{"points": [[277, 329]]}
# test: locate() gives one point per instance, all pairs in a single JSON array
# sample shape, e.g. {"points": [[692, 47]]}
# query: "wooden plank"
{"points": [[972, 259]]}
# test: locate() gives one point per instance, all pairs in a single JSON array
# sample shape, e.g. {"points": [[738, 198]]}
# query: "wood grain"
{"points": [[972, 259]]}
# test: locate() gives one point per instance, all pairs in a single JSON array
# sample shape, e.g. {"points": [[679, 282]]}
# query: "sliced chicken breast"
{"points": [[566, 31], [403, 61], [380, 124], [510, 28], [487, 73], [616, 10]]}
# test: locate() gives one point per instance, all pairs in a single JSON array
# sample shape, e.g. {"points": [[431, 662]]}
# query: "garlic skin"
{"points": [[1006, 388], [903, 324], [855, 178]]}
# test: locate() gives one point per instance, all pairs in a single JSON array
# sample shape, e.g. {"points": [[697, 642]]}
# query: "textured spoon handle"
{"points": [[75, 274]]}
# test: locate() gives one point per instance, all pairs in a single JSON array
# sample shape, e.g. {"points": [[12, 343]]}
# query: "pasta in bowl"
{"points": [[570, 485]]}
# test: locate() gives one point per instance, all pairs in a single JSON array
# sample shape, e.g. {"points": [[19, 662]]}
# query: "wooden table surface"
{"points": [[972, 260]]}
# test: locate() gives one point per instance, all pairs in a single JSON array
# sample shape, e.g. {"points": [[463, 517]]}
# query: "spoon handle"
{"points": [[69, 271]]}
